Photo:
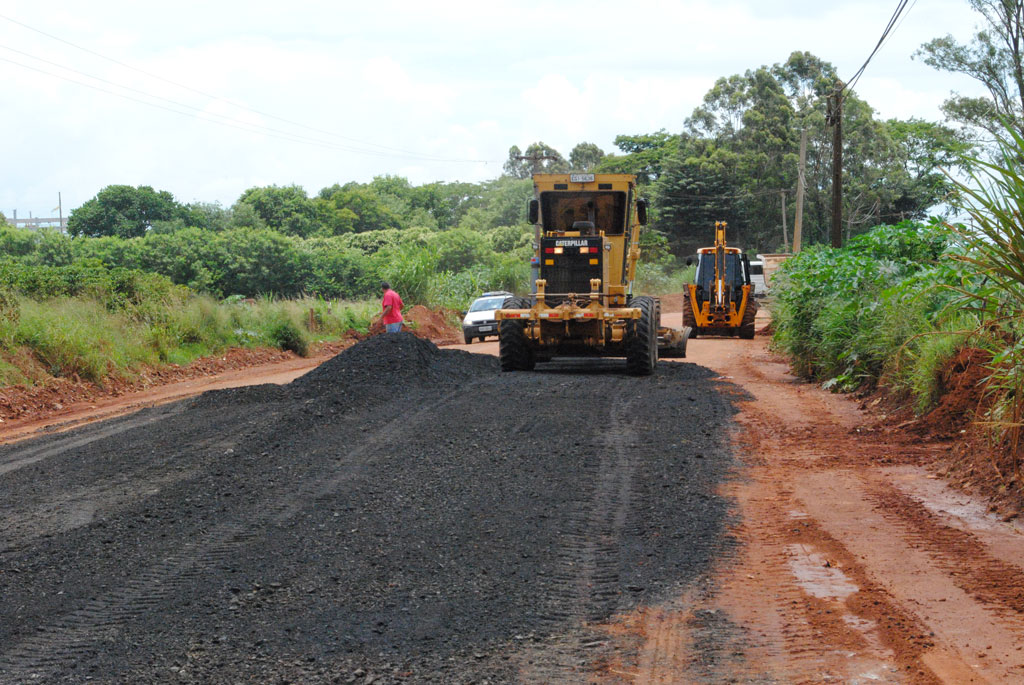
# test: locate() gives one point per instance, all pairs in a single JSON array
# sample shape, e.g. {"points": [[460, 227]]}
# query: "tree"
{"points": [[993, 58], [585, 157], [208, 215], [286, 209], [356, 208], [124, 211], [738, 156], [645, 155], [501, 202], [692, 193], [926, 149], [539, 158]]}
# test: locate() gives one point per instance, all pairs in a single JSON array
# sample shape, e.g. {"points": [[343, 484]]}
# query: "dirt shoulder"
{"points": [[63, 403]]}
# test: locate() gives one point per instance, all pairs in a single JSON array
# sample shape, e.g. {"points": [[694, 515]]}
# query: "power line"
{"points": [[900, 22], [900, 7], [383, 150], [217, 118], [230, 123]]}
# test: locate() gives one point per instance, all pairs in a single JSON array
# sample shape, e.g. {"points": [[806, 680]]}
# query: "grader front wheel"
{"points": [[514, 349]]}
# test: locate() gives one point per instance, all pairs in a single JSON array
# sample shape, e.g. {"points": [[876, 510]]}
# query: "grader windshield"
{"points": [[561, 211]]}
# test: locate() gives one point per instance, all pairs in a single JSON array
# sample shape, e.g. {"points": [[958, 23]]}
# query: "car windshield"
{"points": [[486, 303]]}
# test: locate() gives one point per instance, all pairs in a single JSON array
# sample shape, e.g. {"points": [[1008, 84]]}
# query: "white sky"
{"points": [[432, 91]]}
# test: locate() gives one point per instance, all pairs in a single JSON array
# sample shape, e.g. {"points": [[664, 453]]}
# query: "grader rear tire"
{"points": [[514, 349], [642, 342]]}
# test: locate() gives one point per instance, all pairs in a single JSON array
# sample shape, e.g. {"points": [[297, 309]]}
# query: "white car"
{"points": [[479, 321]]}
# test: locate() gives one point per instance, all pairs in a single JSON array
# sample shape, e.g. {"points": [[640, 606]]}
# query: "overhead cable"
{"points": [[900, 7]]}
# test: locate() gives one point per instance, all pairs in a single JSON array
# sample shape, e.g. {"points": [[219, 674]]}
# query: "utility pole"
{"points": [[785, 237], [798, 222], [835, 119]]}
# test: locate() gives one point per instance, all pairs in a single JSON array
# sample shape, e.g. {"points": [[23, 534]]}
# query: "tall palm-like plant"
{"points": [[994, 240]]}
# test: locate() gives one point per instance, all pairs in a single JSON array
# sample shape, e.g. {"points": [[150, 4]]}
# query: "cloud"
{"points": [[359, 90]]}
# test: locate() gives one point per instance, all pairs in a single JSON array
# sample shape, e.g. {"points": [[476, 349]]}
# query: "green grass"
{"points": [[917, 367], [82, 337], [79, 337], [12, 375]]}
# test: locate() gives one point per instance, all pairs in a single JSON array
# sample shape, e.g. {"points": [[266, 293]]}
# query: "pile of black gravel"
{"points": [[392, 363], [372, 372], [402, 513]]}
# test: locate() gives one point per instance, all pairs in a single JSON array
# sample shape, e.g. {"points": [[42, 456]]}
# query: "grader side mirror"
{"points": [[689, 261], [533, 211], [641, 212]]}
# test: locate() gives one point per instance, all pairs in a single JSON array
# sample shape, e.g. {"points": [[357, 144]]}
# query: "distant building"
{"points": [[39, 222]]}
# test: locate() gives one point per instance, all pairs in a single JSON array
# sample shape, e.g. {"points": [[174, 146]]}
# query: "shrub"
{"points": [[662, 279], [843, 314], [287, 335], [409, 270]]}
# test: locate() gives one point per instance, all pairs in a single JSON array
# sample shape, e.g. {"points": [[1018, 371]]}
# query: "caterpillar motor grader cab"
{"points": [[721, 301], [587, 231]]}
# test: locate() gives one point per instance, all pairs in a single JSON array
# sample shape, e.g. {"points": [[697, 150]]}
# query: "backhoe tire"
{"points": [[747, 324], [514, 349], [642, 339], [688, 318]]}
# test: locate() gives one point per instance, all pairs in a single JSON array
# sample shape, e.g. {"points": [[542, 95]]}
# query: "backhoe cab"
{"points": [[721, 301], [587, 232]]}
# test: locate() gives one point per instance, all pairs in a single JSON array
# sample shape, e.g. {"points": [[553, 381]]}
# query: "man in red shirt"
{"points": [[391, 314]]}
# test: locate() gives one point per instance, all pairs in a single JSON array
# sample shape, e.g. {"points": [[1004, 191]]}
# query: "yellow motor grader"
{"points": [[721, 301], [586, 245]]}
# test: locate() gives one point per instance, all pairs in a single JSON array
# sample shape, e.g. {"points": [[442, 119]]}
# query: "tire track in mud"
{"points": [[775, 613], [994, 582], [59, 645], [586, 585]]}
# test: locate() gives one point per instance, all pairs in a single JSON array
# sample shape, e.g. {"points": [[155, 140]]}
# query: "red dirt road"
{"points": [[855, 563]]}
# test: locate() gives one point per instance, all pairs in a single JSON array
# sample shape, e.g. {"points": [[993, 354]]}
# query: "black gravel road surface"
{"points": [[400, 514]]}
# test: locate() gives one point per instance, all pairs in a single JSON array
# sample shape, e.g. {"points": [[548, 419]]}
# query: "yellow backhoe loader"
{"points": [[721, 301]]}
